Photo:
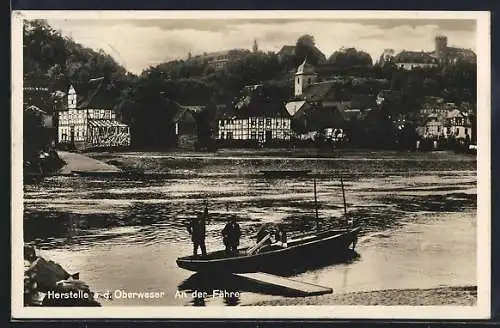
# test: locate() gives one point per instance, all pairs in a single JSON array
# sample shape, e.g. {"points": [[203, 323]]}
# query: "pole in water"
{"points": [[343, 195], [345, 204], [316, 205]]}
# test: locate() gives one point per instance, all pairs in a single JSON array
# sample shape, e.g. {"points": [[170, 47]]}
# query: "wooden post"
{"points": [[316, 205], [346, 219], [343, 195]]}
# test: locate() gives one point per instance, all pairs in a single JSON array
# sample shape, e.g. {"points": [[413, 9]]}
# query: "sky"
{"points": [[140, 43]]}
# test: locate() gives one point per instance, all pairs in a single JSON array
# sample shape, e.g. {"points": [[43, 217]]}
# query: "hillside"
{"points": [[148, 102]]}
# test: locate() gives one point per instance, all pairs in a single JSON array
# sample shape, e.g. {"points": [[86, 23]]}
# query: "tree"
{"points": [[306, 40], [350, 57], [306, 47]]}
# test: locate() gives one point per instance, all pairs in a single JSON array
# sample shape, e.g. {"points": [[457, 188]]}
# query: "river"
{"points": [[417, 212]]}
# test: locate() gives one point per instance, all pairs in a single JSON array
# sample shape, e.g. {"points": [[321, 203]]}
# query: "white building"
{"points": [[260, 128], [256, 116], [90, 127]]}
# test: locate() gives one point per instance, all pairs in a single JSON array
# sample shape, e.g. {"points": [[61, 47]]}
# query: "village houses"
{"points": [[325, 106], [441, 55], [219, 59], [446, 120], [255, 118], [84, 125]]}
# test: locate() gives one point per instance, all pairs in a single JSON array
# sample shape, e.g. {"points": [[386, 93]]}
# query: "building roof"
{"points": [[318, 118], [230, 52], [182, 110], [258, 101], [306, 68], [294, 107], [324, 91], [420, 57], [287, 50], [106, 123], [460, 54], [456, 113], [36, 110], [92, 94]]}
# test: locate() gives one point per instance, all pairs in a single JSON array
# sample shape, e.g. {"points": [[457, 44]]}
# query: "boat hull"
{"points": [[324, 245]]}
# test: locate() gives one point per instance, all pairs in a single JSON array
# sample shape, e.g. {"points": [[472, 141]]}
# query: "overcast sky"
{"points": [[138, 44]]}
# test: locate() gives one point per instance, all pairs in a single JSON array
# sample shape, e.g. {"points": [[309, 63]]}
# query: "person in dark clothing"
{"points": [[281, 237], [197, 230], [231, 236]]}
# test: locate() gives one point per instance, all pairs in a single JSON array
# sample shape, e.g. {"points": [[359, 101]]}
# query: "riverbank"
{"points": [[457, 296], [75, 162]]}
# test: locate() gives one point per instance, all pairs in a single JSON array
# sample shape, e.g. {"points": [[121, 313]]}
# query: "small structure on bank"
{"points": [[185, 124], [85, 125]]}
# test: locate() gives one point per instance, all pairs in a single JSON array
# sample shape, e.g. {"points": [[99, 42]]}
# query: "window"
{"points": [[268, 122], [253, 135], [466, 131], [222, 135], [221, 122], [229, 135], [261, 122], [309, 80], [252, 121], [298, 80], [284, 124]]}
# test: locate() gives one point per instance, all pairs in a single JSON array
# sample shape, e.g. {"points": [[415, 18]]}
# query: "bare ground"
{"points": [[457, 296]]}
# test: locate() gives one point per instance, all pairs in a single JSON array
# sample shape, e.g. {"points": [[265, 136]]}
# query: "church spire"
{"points": [[255, 47]]}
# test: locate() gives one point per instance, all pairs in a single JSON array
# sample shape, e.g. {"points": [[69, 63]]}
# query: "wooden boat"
{"points": [[284, 173], [319, 244]]}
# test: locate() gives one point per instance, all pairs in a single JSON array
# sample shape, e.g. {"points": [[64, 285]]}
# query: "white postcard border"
{"points": [[480, 311]]}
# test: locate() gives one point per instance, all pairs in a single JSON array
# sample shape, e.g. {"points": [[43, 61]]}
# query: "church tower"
{"points": [[441, 44], [71, 98], [304, 77], [255, 47]]}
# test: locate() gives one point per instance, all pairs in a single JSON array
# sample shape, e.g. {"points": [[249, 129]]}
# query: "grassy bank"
{"points": [[462, 295]]}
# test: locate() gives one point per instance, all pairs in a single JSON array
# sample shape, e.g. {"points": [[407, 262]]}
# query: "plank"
{"points": [[294, 286]]}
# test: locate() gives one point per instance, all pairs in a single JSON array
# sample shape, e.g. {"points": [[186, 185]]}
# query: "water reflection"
{"points": [[318, 261]]}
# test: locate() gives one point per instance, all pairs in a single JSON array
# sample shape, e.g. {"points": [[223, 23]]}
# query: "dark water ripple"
{"points": [[68, 212]]}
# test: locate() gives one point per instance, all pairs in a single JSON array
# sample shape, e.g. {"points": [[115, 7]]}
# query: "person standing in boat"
{"points": [[281, 238], [231, 236], [197, 229]]}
